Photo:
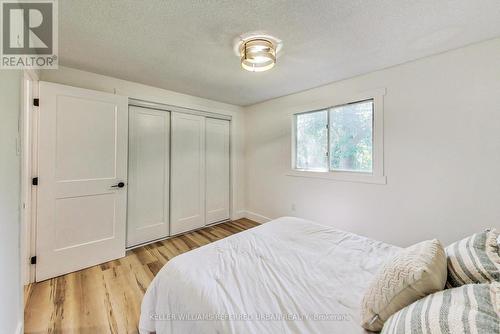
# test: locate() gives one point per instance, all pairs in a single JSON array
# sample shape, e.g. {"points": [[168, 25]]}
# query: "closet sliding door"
{"points": [[217, 170], [149, 163], [187, 173]]}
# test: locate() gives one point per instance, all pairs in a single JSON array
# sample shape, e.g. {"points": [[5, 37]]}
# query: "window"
{"points": [[312, 140], [343, 142], [351, 137]]}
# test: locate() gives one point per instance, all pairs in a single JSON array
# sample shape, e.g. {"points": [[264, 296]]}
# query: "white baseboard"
{"points": [[257, 217], [20, 328], [239, 214]]}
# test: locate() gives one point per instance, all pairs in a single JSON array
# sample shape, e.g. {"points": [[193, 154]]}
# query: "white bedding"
{"points": [[287, 276]]}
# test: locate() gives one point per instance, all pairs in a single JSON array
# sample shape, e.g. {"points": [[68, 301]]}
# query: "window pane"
{"points": [[351, 137], [312, 141]]}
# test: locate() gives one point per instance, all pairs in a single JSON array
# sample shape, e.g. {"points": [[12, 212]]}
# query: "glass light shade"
{"points": [[258, 55]]}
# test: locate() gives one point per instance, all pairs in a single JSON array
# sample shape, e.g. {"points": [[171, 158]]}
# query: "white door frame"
{"points": [[28, 143]]}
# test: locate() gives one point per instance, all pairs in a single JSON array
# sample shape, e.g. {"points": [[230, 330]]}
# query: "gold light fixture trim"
{"points": [[257, 52]]}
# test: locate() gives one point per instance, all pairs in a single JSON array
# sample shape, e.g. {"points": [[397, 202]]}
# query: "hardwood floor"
{"points": [[107, 298]]}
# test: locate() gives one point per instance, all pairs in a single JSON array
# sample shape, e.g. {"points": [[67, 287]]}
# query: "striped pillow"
{"points": [[475, 259], [471, 308]]}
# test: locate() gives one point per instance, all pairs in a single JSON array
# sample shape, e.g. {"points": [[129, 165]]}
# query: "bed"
{"points": [[286, 276]]}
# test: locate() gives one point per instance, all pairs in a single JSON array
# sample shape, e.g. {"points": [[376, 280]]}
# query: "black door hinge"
{"points": [[34, 181], [33, 260], [36, 102]]}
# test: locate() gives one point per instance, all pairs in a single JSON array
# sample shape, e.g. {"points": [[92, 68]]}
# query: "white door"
{"points": [[187, 173], [217, 170], [82, 176], [148, 182]]}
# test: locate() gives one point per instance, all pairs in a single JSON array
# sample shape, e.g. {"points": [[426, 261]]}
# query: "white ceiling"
{"points": [[186, 46]]}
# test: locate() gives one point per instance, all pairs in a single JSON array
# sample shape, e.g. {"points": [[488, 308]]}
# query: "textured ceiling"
{"points": [[186, 46]]}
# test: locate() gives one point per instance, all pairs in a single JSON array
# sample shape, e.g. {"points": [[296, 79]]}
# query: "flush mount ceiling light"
{"points": [[257, 51]]}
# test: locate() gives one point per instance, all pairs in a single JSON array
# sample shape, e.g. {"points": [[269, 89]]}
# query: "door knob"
{"points": [[119, 185]]}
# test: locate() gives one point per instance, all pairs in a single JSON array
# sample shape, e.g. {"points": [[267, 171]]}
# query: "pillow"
{"points": [[413, 273], [474, 259], [471, 308]]}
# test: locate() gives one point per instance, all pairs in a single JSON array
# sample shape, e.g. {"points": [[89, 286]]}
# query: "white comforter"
{"points": [[287, 276]]}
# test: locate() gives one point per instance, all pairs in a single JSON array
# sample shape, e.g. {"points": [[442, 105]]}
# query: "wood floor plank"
{"points": [[144, 255], [124, 297], [166, 253], [219, 232], [140, 272], [245, 223], [38, 308], [107, 298], [199, 238], [95, 306], [158, 255], [209, 235], [230, 229], [155, 267]]}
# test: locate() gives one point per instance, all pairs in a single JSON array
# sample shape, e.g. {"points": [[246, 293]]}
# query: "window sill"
{"points": [[340, 176]]}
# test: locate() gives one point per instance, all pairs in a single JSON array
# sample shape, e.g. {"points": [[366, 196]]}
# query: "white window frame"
{"points": [[377, 175]]}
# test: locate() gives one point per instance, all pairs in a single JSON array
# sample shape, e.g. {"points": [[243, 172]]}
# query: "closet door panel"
{"points": [[148, 201], [217, 170], [187, 173]]}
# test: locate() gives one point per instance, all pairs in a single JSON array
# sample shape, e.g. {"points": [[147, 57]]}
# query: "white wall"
{"points": [[77, 78], [11, 308], [442, 152]]}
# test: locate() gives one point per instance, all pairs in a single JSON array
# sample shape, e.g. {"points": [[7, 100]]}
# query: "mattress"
{"points": [[286, 276]]}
